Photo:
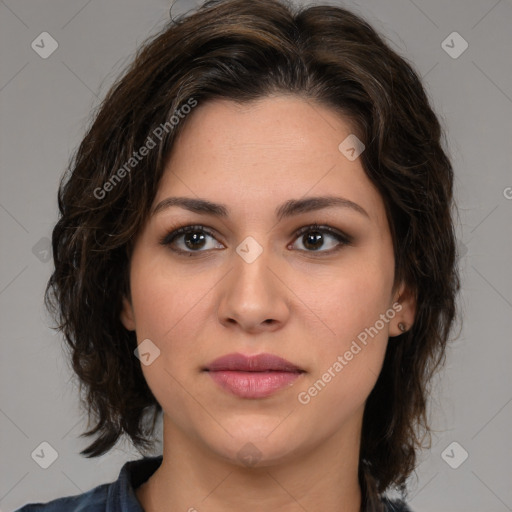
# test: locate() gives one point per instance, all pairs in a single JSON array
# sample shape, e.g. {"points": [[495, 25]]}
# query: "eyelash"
{"points": [[342, 238]]}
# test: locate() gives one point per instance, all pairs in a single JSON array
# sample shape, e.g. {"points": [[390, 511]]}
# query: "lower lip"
{"points": [[254, 384]]}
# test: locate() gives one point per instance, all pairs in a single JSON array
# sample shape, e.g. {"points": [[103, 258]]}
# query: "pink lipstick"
{"points": [[255, 376]]}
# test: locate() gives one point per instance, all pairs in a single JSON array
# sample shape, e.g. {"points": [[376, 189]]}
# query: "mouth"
{"points": [[256, 376], [257, 363]]}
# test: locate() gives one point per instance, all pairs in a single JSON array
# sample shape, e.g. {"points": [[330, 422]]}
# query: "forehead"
{"points": [[263, 153], [278, 130]]}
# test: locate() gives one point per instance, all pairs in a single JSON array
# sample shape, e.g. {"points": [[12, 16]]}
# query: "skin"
{"points": [[303, 305]]}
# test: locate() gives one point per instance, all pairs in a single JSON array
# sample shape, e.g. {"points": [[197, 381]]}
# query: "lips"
{"points": [[254, 377], [257, 363]]}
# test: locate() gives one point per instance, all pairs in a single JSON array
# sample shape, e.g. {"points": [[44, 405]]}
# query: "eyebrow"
{"points": [[288, 209]]}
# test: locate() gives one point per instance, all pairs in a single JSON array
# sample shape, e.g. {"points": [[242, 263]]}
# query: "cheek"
{"points": [[166, 307], [349, 353], [348, 362], [164, 299], [173, 310], [351, 301]]}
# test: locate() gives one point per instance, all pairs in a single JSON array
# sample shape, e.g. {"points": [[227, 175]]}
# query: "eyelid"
{"points": [[174, 231], [323, 228], [181, 229]]}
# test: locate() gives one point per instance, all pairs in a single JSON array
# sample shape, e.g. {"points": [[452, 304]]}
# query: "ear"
{"points": [[405, 300], [127, 316]]}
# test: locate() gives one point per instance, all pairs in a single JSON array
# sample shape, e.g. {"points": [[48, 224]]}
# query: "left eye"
{"points": [[193, 239], [313, 238]]}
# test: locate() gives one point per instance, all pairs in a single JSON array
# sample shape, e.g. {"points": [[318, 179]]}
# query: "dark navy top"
{"points": [[119, 496]]}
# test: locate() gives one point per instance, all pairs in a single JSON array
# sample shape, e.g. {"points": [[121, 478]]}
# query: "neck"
{"points": [[192, 478]]}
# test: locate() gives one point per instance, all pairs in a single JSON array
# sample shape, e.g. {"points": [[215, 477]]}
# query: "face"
{"points": [[267, 271]]}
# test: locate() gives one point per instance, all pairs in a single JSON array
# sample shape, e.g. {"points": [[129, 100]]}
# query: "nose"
{"points": [[252, 297]]}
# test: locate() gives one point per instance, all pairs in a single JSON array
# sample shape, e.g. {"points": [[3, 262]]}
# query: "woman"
{"points": [[256, 242]]}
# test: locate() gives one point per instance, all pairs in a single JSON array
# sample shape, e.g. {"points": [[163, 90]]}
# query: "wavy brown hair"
{"points": [[246, 50]]}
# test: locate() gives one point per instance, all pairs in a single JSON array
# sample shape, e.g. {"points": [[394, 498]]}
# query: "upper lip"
{"points": [[256, 363]]}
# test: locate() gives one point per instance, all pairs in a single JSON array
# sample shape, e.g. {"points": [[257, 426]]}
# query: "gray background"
{"points": [[44, 106]]}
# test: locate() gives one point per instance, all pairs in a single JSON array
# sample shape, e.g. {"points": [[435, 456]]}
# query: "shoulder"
{"points": [[94, 500], [111, 497]]}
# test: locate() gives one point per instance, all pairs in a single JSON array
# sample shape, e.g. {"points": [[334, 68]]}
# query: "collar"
{"points": [[121, 493]]}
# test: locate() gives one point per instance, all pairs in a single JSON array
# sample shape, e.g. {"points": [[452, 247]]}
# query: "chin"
{"points": [[257, 446]]}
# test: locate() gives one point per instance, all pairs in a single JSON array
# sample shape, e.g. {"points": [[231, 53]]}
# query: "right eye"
{"points": [[189, 240]]}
